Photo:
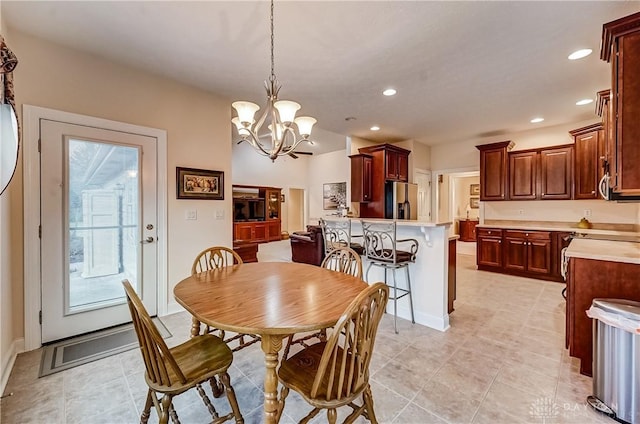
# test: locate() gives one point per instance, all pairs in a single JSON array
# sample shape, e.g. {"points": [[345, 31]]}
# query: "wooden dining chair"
{"points": [[342, 259], [345, 260], [217, 257], [335, 373], [171, 372]]}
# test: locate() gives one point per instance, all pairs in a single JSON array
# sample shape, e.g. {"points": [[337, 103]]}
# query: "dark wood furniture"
{"points": [[589, 146], [269, 296], [247, 251], [388, 163], [361, 174], [527, 253], [621, 46], [489, 249], [451, 282], [556, 173], [523, 175], [173, 371], [588, 279], [467, 229], [493, 170], [256, 216]]}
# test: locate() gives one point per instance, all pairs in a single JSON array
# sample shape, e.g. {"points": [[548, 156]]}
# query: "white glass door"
{"points": [[99, 218]]}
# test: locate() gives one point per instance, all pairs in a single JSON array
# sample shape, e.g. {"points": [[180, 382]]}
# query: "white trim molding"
{"points": [[17, 347], [32, 115]]}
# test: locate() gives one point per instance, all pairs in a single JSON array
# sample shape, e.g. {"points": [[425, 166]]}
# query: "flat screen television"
{"points": [[248, 209]]}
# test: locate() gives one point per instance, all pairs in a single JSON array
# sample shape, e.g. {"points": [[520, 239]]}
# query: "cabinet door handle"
{"points": [[593, 192]]}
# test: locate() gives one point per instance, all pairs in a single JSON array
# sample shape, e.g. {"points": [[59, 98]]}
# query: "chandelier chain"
{"points": [[273, 75]]}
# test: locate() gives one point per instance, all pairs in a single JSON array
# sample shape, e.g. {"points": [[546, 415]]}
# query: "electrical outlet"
{"points": [[191, 215], [587, 212], [520, 211]]}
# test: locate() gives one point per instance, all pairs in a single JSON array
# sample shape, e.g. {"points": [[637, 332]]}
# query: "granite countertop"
{"points": [[604, 250], [617, 230], [401, 222]]}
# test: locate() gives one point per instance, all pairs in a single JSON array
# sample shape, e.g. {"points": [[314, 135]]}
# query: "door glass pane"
{"points": [[103, 223]]}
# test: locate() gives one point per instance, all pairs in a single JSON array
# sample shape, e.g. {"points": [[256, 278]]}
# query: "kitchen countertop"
{"points": [[621, 230], [604, 250], [400, 222]]}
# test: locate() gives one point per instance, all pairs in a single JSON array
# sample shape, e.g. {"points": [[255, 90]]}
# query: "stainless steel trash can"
{"points": [[616, 358]]}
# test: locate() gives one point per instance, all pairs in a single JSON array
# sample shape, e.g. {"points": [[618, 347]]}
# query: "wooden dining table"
{"points": [[271, 299]]}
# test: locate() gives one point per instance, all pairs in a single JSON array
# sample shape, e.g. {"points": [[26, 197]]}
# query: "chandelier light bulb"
{"points": [[241, 129], [245, 110], [287, 110], [305, 123]]}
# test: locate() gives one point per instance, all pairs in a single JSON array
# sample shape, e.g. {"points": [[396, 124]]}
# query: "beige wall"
{"points": [[463, 196], [198, 135], [563, 211], [464, 155], [295, 205], [333, 167]]}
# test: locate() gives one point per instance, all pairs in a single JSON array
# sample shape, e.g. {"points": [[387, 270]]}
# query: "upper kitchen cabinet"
{"points": [[621, 47], [394, 159], [589, 148], [523, 175], [493, 170], [361, 174], [556, 173]]}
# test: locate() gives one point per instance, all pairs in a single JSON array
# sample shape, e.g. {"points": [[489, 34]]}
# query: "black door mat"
{"points": [[90, 347]]}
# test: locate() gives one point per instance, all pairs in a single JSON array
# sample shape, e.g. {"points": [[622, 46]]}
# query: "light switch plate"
{"points": [[191, 215], [220, 214]]}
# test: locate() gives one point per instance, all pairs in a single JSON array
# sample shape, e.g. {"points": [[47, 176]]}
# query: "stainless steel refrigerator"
{"points": [[400, 200]]}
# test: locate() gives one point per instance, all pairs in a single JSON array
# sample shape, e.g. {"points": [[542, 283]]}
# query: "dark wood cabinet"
{"points": [[556, 173], [523, 175], [388, 163], [257, 212], [588, 279], [541, 174], [589, 147], [489, 248], [493, 170], [361, 174], [621, 46], [468, 230], [256, 232], [527, 251]]}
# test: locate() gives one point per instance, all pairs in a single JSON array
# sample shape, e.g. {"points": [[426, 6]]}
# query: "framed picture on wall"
{"points": [[333, 194], [194, 183], [474, 202], [474, 189]]}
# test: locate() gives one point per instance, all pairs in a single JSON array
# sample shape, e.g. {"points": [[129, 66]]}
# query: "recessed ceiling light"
{"points": [[389, 92], [584, 102], [375, 128], [579, 54], [537, 120], [350, 118]]}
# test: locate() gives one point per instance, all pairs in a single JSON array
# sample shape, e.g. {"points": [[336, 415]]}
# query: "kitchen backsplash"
{"points": [[571, 211]]}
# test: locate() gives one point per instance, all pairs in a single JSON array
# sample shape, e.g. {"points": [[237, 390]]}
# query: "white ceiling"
{"points": [[462, 69]]}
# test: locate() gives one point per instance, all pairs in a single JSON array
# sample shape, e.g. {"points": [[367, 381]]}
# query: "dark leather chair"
{"points": [[308, 246]]}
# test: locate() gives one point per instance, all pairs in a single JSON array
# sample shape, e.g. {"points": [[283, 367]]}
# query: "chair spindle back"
{"points": [[345, 260], [214, 258]]}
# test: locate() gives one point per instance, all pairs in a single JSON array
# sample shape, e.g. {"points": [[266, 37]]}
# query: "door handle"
{"points": [[148, 240]]}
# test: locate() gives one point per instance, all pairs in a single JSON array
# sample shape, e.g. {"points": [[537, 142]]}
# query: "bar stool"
{"points": [[380, 247], [337, 234]]}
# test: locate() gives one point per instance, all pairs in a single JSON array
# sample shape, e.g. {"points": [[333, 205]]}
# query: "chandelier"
{"points": [[279, 115]]}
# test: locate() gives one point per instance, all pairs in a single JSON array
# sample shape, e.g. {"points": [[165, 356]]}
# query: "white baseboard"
{"points": [[174, 308], [431, 321], [7, 364]]}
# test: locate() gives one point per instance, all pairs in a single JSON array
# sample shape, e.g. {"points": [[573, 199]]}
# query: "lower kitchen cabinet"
{"points": [[588, 279], [519, 252], [489, 248]]}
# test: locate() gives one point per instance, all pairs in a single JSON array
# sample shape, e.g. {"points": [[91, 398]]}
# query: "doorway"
{"points": [[100, 217], [295, 210]]}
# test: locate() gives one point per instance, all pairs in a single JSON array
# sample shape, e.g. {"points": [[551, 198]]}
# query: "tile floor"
{"points": [[502, 361]]}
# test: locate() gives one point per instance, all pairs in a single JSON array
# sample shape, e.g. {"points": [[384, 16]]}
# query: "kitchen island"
{"points": [[597, 269], [429, 274]]}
